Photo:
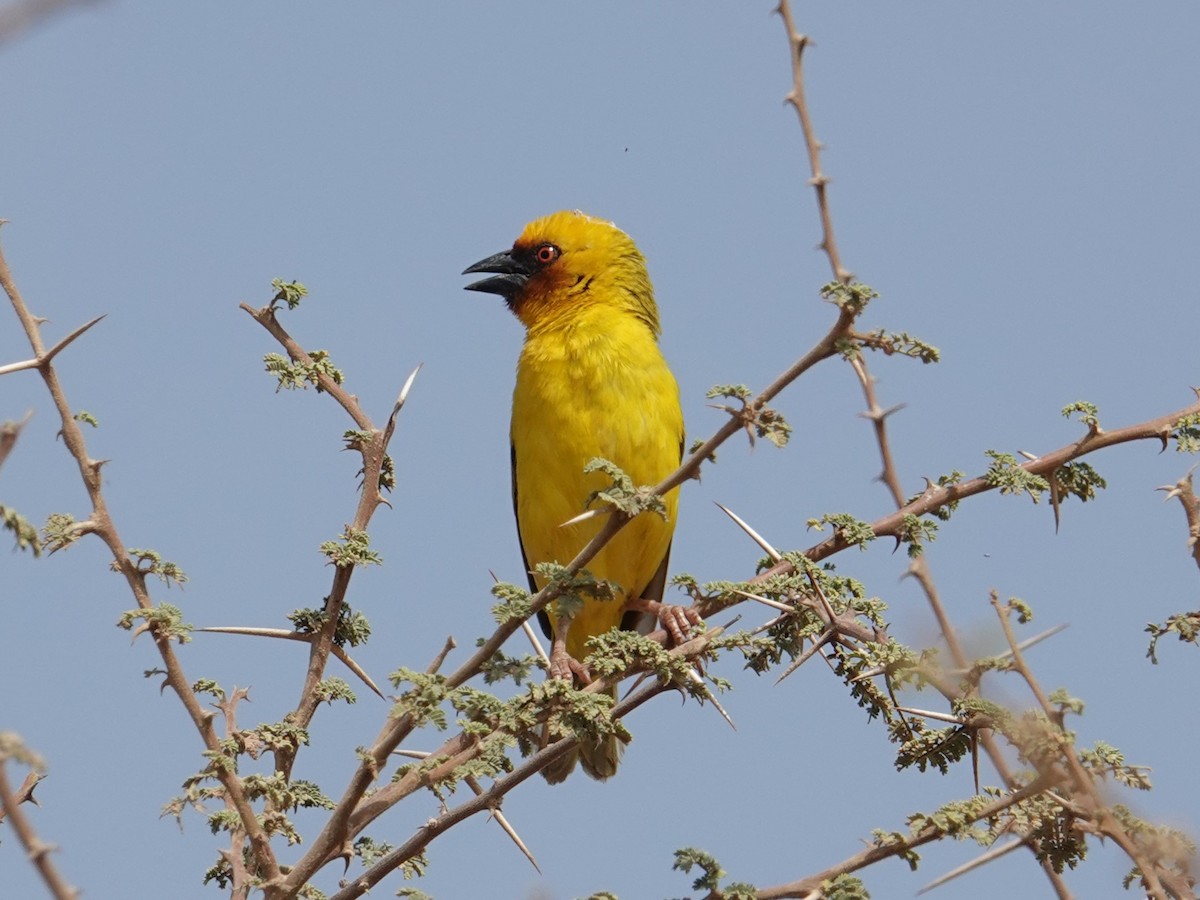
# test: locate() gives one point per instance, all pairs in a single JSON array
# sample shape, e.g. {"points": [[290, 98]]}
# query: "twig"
{"points": [[37, 851], [937, 496], [799, 101], [102, 525], [442, 654], [871, 855], [478, 790], [44, 358], [878, 416], [373, 447], [461, 749], [1096, 812], [1183, 490]]}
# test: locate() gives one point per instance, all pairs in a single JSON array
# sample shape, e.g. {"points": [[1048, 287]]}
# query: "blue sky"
{"points": [[1018, 182]]}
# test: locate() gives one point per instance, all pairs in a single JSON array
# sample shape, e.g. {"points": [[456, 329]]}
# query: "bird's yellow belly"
{"points": [[569, 408]]}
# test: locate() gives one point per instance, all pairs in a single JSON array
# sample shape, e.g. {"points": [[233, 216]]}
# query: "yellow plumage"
{"points": [[591, 382]]}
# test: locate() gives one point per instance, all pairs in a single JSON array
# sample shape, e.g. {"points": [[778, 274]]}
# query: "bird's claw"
{"points": [[676, 620], [563, 665]]}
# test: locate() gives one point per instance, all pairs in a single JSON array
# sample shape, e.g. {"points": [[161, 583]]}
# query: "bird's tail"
{"points": [[598, 758]]}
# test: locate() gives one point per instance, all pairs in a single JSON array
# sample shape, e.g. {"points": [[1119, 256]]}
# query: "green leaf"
{"points": [[352, 549], [352, 626], [853, 297], [24, 532], [622, 493], [852, 531], [1185, 626], [1011, 478], [150, 562], [1089, 413], [1187, 434], [292, 376], [902, 343], [287, 292], [164, 620]]}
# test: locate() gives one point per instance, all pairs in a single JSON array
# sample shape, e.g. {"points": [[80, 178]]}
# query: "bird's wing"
{"points": [[633, 620], [644, 623], [543, 617]]}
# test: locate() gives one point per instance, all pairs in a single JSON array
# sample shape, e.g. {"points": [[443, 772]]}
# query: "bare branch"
{"points": [[806, 886], [1182, 489], [102, 525], [10, 803]]}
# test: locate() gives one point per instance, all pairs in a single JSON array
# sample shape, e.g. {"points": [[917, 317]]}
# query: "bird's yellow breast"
{"points": [[596, 386]]}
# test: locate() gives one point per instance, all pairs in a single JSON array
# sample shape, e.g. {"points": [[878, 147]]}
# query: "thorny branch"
{"points": [[37, 850], [799, 101], [919, 567], [811, 885], [374, 452], [12, 748], [353, 812], [491, 797], [1186, 494], [101, 524], [338, 827], [1158, 882]]}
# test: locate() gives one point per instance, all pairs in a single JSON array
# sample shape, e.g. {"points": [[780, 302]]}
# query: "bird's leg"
{"points": [[676, 620], [563, 664]]}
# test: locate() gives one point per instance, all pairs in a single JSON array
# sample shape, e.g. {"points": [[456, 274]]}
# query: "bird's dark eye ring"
{"points": [[546, 254]]}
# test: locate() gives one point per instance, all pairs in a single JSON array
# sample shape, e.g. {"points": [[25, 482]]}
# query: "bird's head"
{"points": [[566, 263]]}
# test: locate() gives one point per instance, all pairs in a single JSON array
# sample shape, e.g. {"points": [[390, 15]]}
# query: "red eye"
{"points": [[546, 254]]}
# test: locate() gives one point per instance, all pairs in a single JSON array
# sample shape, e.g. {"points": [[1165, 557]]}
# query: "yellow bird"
{"points": [[591, 382]]}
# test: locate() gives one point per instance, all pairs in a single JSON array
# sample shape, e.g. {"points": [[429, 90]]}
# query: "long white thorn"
{"points": [[533, 639], [584, 516], [994, 853], [774, 604], [754, 535]]}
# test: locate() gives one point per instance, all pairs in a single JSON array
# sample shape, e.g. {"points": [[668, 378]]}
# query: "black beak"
{"points": [[509, 280]]}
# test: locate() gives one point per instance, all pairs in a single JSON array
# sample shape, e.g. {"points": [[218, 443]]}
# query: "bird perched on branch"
{"points": [[591, 383]]}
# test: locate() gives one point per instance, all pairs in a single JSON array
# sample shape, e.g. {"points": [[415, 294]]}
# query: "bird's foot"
{"points": [[676, 620], [563, 665]]}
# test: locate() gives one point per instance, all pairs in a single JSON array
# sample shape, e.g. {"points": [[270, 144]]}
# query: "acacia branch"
{"points": [[460, 750], [1186, 494], [811, 885], [878, 416], [797, 42], [1094, 809], [102, 525], [934, 497], [919, 569], [332, 838], [37, 850], [373, 449]]}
